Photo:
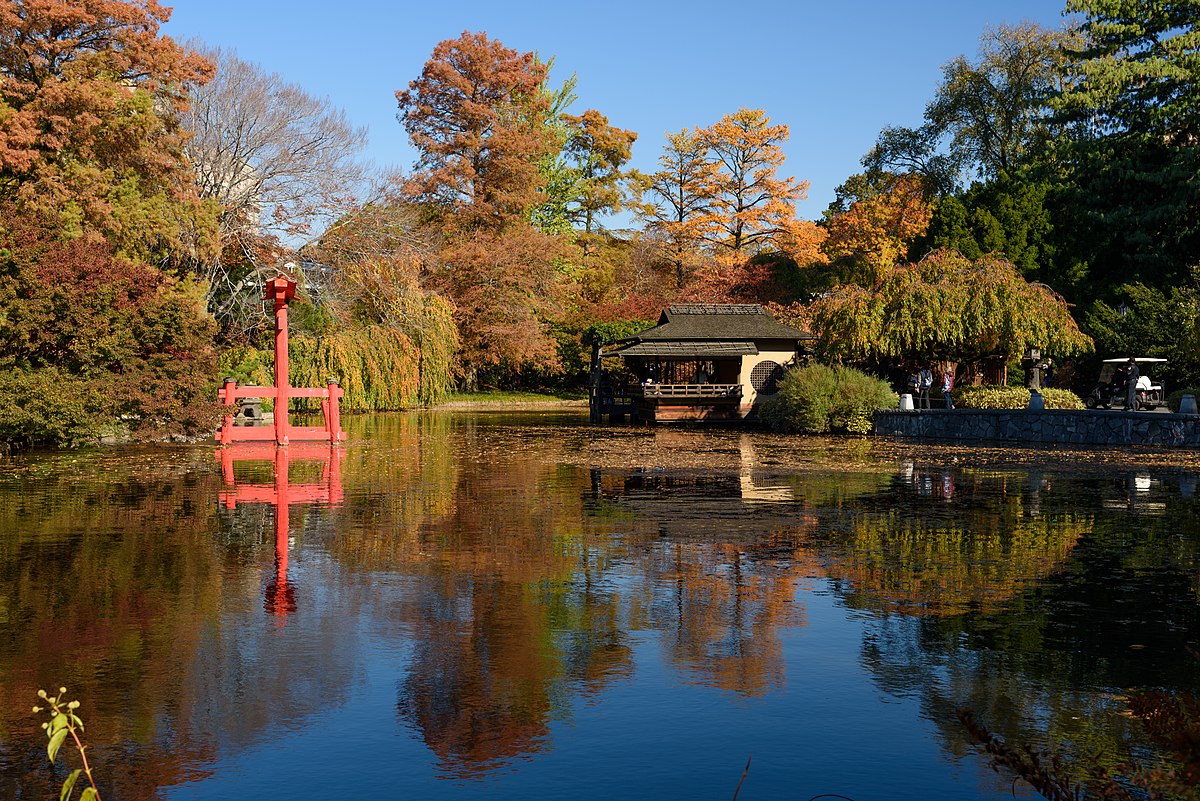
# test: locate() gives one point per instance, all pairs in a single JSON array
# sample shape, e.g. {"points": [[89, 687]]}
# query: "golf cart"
{"points": [[1111, 391]]}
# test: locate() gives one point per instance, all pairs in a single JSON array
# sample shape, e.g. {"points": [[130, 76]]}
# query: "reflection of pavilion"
{"points": [[755, 485], [698, 503], [280, 598]]}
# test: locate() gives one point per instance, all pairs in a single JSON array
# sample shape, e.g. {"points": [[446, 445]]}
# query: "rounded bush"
{"points": [[997, 397], [816, 399]]}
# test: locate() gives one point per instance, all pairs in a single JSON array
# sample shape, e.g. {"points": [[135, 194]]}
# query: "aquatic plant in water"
{"points": [[64, 723]]}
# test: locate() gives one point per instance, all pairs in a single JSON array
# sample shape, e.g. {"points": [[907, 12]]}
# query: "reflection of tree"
{"points": [[121, 578], [514, 606], [1047, 662], [521, 611], [922, 567], [719, 606], [477, 690], [944, 543], [105, 574]]}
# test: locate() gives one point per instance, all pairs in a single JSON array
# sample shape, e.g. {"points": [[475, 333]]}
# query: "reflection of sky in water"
{"points": [[509, 610], [651, 736]]}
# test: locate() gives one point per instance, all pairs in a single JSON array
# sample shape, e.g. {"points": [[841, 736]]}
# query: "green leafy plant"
{"points": [[816, 399], [997, 397], [47, 408], [64, 723]]}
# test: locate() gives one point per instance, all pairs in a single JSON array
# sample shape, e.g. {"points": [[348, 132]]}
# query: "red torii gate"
{"points": [[281, 290]]}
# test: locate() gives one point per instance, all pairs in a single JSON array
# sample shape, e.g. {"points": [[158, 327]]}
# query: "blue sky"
{"points": [[834, 72]]}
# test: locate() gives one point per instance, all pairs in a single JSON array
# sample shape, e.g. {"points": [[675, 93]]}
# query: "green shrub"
{"points": [[1061, 399], [46, 408], [1174, 398], [116, 335], [997, 397], [815, 399]]}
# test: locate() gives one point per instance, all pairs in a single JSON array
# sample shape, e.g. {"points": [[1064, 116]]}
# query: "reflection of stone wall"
{"points": [[1051, 425]]}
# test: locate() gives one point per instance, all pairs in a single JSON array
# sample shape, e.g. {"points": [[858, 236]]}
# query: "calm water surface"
{"points": [[464, 605]]}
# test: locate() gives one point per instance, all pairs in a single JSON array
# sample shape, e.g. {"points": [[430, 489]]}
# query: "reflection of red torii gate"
{"points": [[281, 290], [280, 597]]}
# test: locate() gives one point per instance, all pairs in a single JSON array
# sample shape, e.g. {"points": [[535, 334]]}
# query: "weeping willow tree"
{"points": [[391, 341], [944, 308], [378, 367]]}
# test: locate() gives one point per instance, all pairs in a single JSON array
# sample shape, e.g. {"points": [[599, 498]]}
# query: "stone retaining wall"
{"points": [[1093, 427]]}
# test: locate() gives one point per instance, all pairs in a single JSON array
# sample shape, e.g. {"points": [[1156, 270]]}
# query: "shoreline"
{"points": [[509, 406]]}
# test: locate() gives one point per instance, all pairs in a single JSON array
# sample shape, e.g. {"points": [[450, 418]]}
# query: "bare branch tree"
{"points": [[278, 160], [281, 164]]}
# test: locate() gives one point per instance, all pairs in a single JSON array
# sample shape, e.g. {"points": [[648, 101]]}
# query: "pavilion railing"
{"points": [[687, 391]]}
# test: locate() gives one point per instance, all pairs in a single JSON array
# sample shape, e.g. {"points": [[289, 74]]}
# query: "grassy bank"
{"points": [[512, 399]]}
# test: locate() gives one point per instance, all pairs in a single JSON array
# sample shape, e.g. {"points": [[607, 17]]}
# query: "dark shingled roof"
{"points": [[717, 321], [703, 350]]}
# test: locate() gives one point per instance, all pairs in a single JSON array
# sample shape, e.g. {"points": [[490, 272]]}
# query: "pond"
{"points": [[471, 605]]}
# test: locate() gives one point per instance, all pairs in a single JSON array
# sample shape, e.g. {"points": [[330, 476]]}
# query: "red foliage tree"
{"points": [[126, 333], [505, 290], [477, 115]]}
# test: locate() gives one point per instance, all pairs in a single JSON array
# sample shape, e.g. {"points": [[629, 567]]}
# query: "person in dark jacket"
{"points": [[926, 377], [1131, 382]]}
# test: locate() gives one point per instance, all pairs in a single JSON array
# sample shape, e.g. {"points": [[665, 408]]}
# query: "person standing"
{"points": [[926, 377], [1131, 386], [947, 387]]}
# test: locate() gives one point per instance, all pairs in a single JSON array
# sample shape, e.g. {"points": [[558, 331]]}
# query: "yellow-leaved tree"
{"points": [[873, 232], [944, 308], [676, 199], [751, 207]]}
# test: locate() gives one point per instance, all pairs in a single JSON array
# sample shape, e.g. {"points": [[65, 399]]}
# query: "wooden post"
{"points": [[595, 409], [333, 411], [229, 395], [281, 290], [282, 502], [281, 372]]}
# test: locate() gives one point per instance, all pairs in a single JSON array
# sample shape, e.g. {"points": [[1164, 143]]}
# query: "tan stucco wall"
{"points": [[784, 357]]}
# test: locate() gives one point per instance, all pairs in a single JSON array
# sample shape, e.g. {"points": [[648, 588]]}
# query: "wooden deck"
{"points": [[661, 403], [664, 403]]}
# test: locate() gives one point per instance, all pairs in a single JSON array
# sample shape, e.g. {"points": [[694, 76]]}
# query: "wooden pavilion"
{"points": [[703, 361]]}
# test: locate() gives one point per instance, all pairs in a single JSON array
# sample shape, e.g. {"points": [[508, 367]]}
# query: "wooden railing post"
{"points": [[229, 394], [333, 420]]}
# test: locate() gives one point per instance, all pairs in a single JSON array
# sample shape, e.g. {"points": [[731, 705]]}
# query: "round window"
{"points": [[765, 377]]}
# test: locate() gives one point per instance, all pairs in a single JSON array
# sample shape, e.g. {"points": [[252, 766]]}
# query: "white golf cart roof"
{"points": [[1138, 359]]}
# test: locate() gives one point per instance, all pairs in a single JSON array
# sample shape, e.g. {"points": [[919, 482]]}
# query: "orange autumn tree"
{"points": [[878, 219], [722, 214], [90, 95], [477, 115], [750, 208], [676, 199], [752, 235]]}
